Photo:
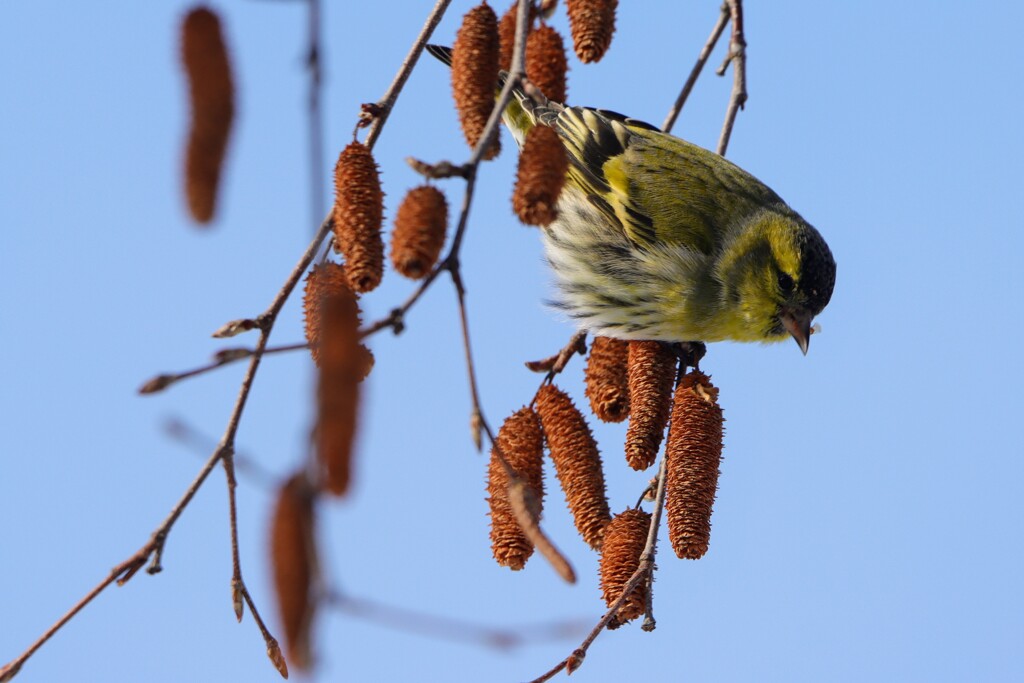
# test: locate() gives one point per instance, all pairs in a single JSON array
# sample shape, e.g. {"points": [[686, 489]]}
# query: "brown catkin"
{"points": [[342, 366], [475, 58], [522, 444], [546, 65], [213, 108], [358, 215], [624, 541], [652, 370], [607, 379], [327, 292], [507, 35], [293, 559], [693, 453], [592, 23], [577, 462], [420, 226], [541, 175]]}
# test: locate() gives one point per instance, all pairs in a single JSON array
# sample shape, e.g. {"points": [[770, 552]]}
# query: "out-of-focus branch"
{"points": [[702, 58], [446, 628], [738, 56], [220, 359], [315, 121]]}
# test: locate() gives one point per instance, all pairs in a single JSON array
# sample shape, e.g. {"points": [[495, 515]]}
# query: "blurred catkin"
{"points": [[541, 175], [624, 541], [420, 226], [475, 57], [327, 292], [652, 370], [546, 65], [293, 559], [607, 379], [358, 215], [694, 451], [342, 364], [507, 34], [522, 444], [212, 96], [577, 462], [592, 23]]}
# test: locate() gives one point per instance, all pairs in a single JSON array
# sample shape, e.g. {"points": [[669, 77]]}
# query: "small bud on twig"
{"points": [[234, 328]]}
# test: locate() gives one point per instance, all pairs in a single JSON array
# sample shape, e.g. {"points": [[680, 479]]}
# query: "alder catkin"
{"points": [[475, 57], [212, 96], [507, 35], [358, 215], [592, 23], [522, 444], [541, 175], [293, 559], [420, 226], [652, 370], [342, 367], [327, 292], [624, 541], [693, 452], [607, 379], [577, 462], [546, 65]]}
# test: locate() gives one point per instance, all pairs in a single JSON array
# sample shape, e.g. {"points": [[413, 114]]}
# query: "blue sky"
{"points": [[869, 515]]}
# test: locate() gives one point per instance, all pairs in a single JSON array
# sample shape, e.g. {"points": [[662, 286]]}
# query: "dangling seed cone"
{"points": [[541, 175], [592, 23], [522, 444], [694, 451], [420, 226], [607, 379], [577, 462], [293, 558], [342, 367], [475, 58], [327, 293], [624, 541], [358, 215], [652, 370], [546, 65], [507, 34], [213, 108]]}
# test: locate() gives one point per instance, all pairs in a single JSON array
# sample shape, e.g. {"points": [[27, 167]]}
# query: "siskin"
{"points": [[659, 239]]}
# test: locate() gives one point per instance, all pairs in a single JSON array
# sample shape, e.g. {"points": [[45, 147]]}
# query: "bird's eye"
{"points": [[785, 283]]}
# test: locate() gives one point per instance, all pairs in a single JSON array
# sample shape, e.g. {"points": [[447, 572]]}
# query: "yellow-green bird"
{"points": [[659, 239]]}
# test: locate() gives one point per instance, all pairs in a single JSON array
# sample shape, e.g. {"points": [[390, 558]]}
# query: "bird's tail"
{"points": [[523, 112]]}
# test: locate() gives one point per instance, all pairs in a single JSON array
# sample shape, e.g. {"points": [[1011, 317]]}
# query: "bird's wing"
{"points": [[661, 189]]}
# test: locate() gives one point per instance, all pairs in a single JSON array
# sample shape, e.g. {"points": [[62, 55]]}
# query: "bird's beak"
{"points": [[798, 324]]}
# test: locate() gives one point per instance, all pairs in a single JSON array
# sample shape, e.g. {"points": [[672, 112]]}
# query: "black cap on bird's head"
{"points": [[814, 289]]}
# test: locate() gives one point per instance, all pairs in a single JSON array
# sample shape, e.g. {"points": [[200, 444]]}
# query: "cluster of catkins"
{"points": [[483, 47], [631, 380]]}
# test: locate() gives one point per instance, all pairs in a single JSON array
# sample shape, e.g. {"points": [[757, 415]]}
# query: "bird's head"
{"points": [[777, 274]]}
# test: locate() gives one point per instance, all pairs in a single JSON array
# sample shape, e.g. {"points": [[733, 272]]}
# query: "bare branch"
{"points": [[738, 56], [702, 58]]}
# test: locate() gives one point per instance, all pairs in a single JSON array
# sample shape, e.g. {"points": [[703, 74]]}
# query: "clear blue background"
{"points": [[868, 523]]}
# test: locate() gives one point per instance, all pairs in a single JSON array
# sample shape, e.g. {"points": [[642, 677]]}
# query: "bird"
{"points": [[659, 239]]}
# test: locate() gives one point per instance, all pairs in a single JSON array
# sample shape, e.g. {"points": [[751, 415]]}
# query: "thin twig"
{"points": [[738, 56], [702, 58], [387, 103], [643, 573], [315, 120], [221, 358]]}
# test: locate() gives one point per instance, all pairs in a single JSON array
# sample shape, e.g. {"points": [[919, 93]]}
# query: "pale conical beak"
{"points": [[798, 324]]}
